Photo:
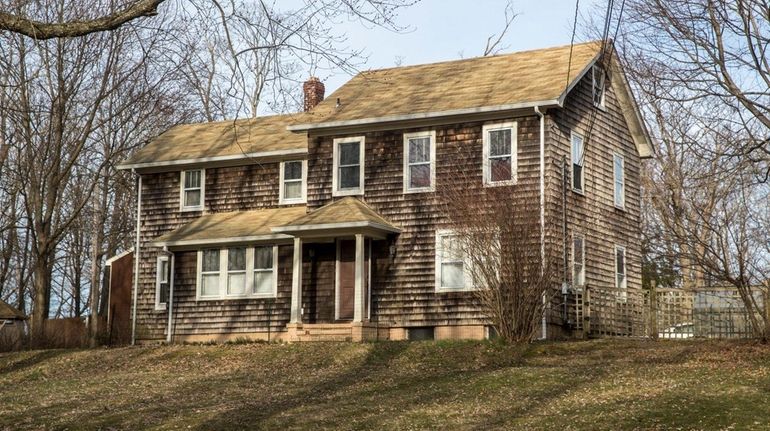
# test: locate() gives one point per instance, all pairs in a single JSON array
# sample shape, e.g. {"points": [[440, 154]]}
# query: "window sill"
{"points": [[579, 192], [500, 183], [291, 201], [454, 289], [235, 297], [620, 208], [161, 307], [347, 192], [190, 209], [420, 190]]}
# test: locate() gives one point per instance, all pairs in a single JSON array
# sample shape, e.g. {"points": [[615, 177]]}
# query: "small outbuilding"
{"points": [[13, 327]]}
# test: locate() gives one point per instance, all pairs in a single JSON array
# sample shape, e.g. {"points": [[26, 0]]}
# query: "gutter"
{"points": [[544, 323], [136, 257], [421, 116]]}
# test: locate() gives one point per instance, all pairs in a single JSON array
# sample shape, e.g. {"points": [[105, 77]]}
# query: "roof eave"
{"points": [[220, 241], [421, 116], [263, 155]]}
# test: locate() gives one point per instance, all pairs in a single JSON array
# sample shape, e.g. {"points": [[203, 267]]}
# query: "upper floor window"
{"points": [[451, 267], [162, 281], [618, 167], [192, 191], [348, 175], [578, 159], [597, 75], [499, 164], [419, 161], [620, 272], [237, 272], [293, 188], [578, 261]]}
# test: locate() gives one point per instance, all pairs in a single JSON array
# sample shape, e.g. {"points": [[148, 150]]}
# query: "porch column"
{"points": [[358, 302], [296, 283]]}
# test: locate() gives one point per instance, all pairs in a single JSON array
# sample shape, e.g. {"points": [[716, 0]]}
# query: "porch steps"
{"points": [[325, 332]]}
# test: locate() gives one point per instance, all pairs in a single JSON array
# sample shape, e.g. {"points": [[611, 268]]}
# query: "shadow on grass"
{"points": [[34, 359]]}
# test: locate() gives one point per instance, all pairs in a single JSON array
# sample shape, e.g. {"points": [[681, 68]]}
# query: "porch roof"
{"points": [[231, 228], [348, 214]]}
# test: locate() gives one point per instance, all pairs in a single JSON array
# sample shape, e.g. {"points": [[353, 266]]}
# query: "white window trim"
{"points": [[432, 163], [622, 290], [335, 166], [438, 251], [281, 187], [582, 163], [622, 205], [160, 306], [182, 206], [583, 262], [514, 152], [223, 276], [601, 105]]}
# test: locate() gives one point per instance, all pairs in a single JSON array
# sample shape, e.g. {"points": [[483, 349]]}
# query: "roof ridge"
{"points": [[462, 60]]}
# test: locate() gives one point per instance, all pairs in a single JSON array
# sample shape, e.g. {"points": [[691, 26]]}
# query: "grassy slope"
{"points": [[605, 384]]}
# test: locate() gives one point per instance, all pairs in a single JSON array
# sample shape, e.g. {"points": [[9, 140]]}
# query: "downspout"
{"points": [[136, 256], [170, 293], [544, 329]]}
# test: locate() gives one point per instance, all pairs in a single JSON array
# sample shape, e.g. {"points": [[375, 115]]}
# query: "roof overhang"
{"points": [[197, 243], [216, 161], [325, 230], [420, 119], [109, 261]]}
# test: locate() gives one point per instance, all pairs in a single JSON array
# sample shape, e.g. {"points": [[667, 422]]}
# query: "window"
{"points": [[578, 152], [620, 272], [419, 162], [162, 282], [618, 164], [263, 271], [499, 142], [293, 187], [238, 272], [192, 190], [578, 261], [597, 79], [209, 280], [348, 176], [451, 267]]}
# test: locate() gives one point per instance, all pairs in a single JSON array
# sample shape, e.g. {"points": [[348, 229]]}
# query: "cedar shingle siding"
{"points": [[403, 284]]}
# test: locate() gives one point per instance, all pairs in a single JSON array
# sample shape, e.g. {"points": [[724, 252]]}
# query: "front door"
{"points": [[346, 278]]}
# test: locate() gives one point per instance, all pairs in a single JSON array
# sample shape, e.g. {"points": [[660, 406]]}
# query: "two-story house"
{"points": [[326, 224]]}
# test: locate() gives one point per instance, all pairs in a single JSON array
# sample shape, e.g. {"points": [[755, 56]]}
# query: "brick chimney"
{"points": [[314, 92]]}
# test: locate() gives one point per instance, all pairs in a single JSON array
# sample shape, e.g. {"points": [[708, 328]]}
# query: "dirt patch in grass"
{"points": [[600, 384]]}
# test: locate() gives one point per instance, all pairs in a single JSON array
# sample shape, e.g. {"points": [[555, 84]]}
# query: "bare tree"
{"points": [[495, 41], [498, 235]]}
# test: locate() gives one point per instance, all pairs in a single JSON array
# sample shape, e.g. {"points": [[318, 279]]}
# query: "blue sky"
{"points": [[451, 29]]}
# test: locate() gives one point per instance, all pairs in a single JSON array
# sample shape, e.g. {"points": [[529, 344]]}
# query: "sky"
{"points": [[451, 29]]}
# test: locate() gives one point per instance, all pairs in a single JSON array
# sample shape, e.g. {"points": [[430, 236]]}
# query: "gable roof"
{"points": [[502, 82], [221, 141], [345, 213], [7, 312], [231, 227]]}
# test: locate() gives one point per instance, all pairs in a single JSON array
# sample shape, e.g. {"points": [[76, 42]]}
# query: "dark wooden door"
{"points": [[346, 279]]}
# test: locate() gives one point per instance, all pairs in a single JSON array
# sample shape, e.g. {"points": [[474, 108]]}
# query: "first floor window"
{"points": [[577, 154], [210, 273], [620, 272], [499, 144], [451, 268], [192, 189], [618, 164], [419, 161], [263, 271], [237, 272], [163, 281], [293, 181], [348, 175], [578, 261]]}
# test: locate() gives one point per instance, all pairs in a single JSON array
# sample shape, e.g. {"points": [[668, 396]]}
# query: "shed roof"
{"points": [[220, 141], [520, 78], [7, 312], [231, 227]]}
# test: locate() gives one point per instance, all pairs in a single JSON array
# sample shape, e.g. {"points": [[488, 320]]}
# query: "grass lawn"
{"points": [[589, 385]]}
